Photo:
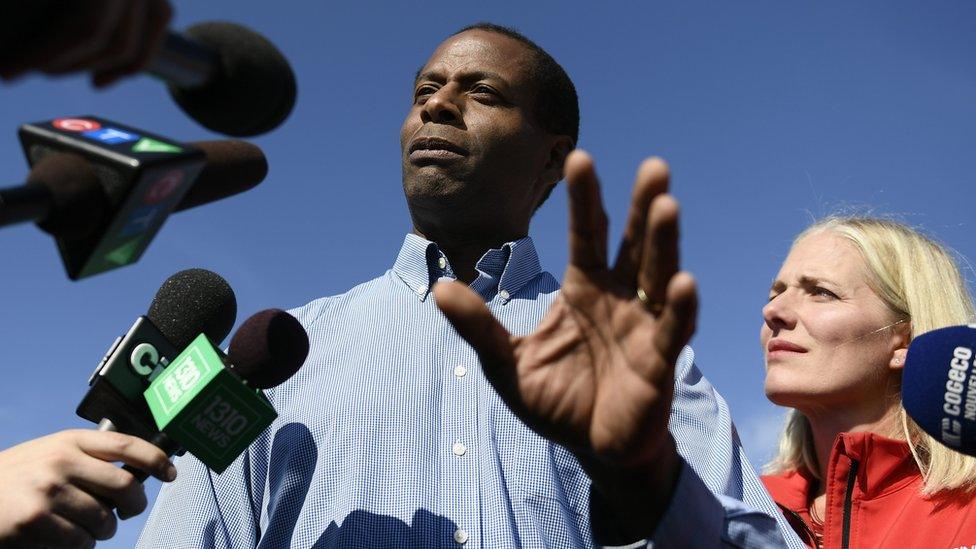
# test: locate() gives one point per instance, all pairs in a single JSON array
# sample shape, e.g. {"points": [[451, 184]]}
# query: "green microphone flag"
{"points": [[206, 407]]}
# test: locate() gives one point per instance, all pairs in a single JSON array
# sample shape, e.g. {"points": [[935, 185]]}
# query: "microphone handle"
{"points": [[160, 440], [24, 203], [183, 63]]}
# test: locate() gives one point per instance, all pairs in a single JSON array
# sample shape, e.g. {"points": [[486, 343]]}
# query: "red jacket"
{"points": [[874, 500]]}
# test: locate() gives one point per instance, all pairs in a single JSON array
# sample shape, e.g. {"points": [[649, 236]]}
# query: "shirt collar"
{"points": [[501, 271]]}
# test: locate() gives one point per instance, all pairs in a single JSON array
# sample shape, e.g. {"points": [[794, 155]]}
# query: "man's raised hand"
{"points": [[597, 375]]}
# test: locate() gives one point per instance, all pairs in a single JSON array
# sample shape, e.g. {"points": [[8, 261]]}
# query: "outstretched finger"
{"points": [[676, 324], [474, 322], [659, 258], [651, 181], [133, 451], [587, 220]]}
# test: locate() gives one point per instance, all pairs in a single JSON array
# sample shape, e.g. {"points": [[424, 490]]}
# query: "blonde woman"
{"points": [[852, 469]]}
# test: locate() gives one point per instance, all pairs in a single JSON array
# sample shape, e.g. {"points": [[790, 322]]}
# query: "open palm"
{"points": [[597, 375]]}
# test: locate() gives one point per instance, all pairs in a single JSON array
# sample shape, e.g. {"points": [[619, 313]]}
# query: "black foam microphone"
{"points": [[939, 386], [188, 303], [143, 178], [227, 77]]}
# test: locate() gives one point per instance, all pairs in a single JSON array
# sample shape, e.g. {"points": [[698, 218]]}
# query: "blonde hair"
{"points": [[920, 282]]}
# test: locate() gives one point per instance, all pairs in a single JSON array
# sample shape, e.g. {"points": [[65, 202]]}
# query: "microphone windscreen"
{"points": [[78, 203], [192, 302], [268, 348], [939, 388], [231, 167], [252, 91]]}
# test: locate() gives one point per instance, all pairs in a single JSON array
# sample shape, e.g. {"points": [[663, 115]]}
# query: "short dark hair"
{"points": [[556, 102]]}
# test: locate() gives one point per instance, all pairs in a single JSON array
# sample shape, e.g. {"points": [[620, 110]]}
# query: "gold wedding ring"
{"points": [[642, 296], [654, 308]]}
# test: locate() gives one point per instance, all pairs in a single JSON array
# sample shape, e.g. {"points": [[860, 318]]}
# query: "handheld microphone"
{"points": [[211, 404], [62, 194], [227, 77], [939, 386], [187, 304], [143, 178]]}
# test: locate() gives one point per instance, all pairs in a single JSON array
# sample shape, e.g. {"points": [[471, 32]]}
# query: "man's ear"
{"points": [[559, 148]]}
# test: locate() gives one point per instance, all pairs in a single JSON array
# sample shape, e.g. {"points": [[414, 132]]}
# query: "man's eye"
{"points": [[483, 89], [424, 92]]}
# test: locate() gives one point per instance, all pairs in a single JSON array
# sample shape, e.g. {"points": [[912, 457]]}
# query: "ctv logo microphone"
{"points": [[144, 176]]}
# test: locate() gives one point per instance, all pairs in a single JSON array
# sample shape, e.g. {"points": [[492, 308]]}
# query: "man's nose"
{"points": [[442, 107]]}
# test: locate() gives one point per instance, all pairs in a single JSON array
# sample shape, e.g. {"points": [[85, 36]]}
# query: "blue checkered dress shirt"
{"points": [[390, 436]]}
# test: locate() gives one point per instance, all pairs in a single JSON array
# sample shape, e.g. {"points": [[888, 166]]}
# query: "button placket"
{"points": [[460, 436]]}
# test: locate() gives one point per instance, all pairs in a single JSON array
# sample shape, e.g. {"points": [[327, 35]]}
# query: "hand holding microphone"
{"points": [[225, 76], [110, 38], [59, 490]]}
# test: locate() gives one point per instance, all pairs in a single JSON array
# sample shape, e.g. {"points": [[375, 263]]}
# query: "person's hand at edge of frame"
{"points": [[60, 490], [108, 38]]}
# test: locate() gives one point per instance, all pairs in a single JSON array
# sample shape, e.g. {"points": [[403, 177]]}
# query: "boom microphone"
{"points": [[187, 304], [227, 77], [143, 178], [939, 386]]}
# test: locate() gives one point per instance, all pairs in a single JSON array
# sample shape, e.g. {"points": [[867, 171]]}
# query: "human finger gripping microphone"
{"points": [[141, 178], [212, 404], [189, 303], [939, 386]]}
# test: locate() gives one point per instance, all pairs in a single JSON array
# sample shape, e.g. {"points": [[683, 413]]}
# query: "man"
{"points": [[399, 433]]}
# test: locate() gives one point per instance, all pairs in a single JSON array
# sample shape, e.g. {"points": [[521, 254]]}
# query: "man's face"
{"points": [[471, 134]]}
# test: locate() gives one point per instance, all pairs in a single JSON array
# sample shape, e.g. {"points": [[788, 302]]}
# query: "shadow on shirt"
{"points": [[290, 472]]}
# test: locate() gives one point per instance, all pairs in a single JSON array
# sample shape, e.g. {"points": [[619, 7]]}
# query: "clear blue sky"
{"points": [[770, 114]]}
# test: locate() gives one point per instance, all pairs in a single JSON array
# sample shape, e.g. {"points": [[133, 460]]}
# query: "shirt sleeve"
{"points": [[699, 518], [718, 494]]}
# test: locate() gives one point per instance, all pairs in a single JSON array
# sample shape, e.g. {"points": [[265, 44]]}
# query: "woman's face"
{"points": [[824, 335]]}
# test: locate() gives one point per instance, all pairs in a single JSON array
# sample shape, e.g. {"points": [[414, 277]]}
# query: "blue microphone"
{"points": [[939, 388]]}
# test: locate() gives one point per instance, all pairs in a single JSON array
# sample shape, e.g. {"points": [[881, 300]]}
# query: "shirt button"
{"points": [[503, 294], [460, 370], [442, 262], [422, 290], [460, 536], [459, 450]]}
